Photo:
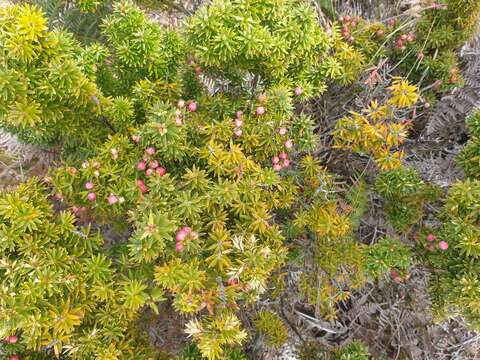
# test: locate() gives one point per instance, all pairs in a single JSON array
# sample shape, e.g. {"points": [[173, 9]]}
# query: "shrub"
{"points": [[60, 294], [272, 327]]}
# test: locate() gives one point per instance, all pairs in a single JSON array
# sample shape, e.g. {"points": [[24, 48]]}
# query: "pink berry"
{"points": [[286, 163], [404, 37], [136, 139], [411, 38], [141, 165], [186, 229], [161, 171], [91, 196], [443, 245], [238, 132], [275, 160], [149, 172], [180, 235], [239, 114], [380, 33], [153, 164], [178, 121], [260, 110], [179, 246], [282, 131], [232, 281], [12, 339], [393, 274], [347, 18], [288, 144], [181, 104], [140, 182], [150, 150], [112, 199], [238, 122], [14, 357], [89, 185], [75, 209], [277, 167], [298, 91], [192, 107], [431, 237], [283, 155], [143, 189]]}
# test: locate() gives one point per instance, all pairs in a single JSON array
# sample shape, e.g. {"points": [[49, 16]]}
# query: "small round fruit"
{"points": [[91, 196], [238, 122], [275, 160], [181, 104], [288, 144], [180, 236], [238, 132], [239, 114], [282, 131], [277, 167], [160, 171], [112, 199], [286, 163], [260, 110], [283, 155], [153, 164], [12, 339], [192, 107], [179, 246], [431, 237], [89, 185], [149, 172], [443, 245], [298, 91], [150, 151]]}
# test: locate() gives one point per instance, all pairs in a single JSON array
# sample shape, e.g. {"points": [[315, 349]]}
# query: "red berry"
{"points": [[431, 237], [141, 165], [153, 164], [260, 110], [347, 18], [161, 171], [89, 185], [298, 91], [143, 189], [192, 107], [403, 37], [410, 38], [443, 245], [150, 150], [149, 172], [393, 274], [12, 339], [140, 182], [14, 357], [275, 160], [380, 33], [91, 196]]}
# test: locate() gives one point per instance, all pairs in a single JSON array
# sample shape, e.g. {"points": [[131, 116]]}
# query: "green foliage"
{"points": [[355, 350], [385, 255], [280, 42], [405, 194], [469, 158], [455, 285], [272, 327], [58, 290], [46, 97]]}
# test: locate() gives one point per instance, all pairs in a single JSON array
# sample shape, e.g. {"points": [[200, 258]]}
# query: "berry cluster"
{"points": [[442, 245], [404, 39], [349, 23], [281, 161]]}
